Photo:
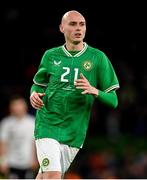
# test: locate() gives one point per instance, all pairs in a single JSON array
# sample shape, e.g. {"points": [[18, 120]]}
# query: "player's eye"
{"points": [[82, 24], [72, 23]]}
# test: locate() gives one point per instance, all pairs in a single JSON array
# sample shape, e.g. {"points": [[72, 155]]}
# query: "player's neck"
{"points": [[74, 47]]}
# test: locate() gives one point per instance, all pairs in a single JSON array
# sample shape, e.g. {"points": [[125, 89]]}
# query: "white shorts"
{"points": [[53, 156]]}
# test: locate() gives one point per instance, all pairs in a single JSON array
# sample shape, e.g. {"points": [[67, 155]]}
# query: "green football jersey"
{"points": [[65, 116]]}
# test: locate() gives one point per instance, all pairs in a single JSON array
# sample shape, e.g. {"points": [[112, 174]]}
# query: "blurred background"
{"points": [[115, 146]]}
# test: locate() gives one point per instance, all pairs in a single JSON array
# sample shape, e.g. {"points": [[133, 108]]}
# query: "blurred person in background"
{"points": [[69, 79], [17, 152]]}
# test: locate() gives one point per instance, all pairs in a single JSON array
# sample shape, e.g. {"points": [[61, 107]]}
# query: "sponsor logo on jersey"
{"points": [[45, 162], [57, 63], [87, 65]]}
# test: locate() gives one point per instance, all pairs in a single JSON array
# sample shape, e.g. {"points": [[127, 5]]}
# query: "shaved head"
{"points": [[70, 14]]}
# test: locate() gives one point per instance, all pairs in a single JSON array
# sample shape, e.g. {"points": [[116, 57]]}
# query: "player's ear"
{"points": [[61, 28]]}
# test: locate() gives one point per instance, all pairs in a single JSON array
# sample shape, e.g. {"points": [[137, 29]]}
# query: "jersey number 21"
{"points": [[67, 71]]}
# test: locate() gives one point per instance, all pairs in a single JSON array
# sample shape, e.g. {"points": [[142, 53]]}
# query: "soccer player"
{"points": [[17, 148], [68, 80]]}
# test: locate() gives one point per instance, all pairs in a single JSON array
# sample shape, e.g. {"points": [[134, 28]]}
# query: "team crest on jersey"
{"points": [[57, 63], [87, 65], [45, 162]]}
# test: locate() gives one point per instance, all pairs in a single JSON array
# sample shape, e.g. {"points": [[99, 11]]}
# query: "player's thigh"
{"points": [[39, 176], [48, 153]]}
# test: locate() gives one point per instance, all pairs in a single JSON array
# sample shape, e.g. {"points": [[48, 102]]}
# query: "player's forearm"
{"points": [[109, 99], [3, 151]]}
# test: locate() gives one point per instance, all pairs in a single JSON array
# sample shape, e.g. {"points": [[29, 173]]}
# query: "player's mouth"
{"points": [[78, 35]]}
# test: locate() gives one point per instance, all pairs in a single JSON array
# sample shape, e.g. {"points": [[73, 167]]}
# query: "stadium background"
{"points": [[115, 144]]}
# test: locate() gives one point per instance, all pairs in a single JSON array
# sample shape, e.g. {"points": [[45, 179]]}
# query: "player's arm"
{"points": [[40, 83], [109, 98], [3, 148], [3, 154]]}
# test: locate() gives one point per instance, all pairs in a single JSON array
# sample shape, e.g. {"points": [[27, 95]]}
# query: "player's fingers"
{"points": [[41, 94], [36, 102], [79, 80], [84, 92], [80, 84], [82, 76], [37, 99], [36, 106], [82, 87]]}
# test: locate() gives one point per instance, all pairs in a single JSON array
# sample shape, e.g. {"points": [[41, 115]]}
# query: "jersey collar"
{"points": [[76, 55]]}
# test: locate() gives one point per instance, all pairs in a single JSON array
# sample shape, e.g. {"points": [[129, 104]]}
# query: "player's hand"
{"points": [[84, 84], [4, 169], [36, 100]]}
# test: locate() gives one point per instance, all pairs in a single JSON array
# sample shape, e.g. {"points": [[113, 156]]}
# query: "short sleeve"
{"points": [[41, 77], [107, 79]]}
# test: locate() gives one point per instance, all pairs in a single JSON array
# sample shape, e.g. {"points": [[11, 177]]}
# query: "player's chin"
{"points": [[77, 41]]}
